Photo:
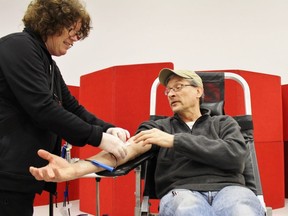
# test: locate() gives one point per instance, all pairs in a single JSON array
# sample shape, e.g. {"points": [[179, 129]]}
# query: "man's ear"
{"points": [[200, 92]]}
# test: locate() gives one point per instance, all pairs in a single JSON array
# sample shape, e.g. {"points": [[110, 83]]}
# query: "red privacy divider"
{"points": [[285, 131]]}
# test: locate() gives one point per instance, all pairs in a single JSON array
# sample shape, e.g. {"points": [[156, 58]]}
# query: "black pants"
{"points": [[14, 204]]}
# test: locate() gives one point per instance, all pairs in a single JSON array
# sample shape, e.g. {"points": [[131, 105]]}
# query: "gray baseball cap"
{"points": [[166, 72]]}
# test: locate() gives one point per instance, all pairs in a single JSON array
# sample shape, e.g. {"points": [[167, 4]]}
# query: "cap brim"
{"points": [[164, 74]]}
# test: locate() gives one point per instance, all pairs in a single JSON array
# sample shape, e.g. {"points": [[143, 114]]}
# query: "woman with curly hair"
{"points": [[37, 109]]}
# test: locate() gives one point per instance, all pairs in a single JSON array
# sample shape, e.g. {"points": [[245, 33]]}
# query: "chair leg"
{"points": [[137, 191], [145, 206], [98, 196]]}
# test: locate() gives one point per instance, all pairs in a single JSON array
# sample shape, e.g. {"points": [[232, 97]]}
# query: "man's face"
{"points": [[182, 96]]}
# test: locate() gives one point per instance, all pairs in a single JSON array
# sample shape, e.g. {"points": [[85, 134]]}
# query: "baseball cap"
{"points": [[188, 74]]}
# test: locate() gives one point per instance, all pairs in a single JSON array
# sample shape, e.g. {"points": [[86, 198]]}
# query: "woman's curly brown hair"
{"points": [[50, 17]]}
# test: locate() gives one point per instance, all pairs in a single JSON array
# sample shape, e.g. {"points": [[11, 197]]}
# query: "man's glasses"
{"points": [[72, 33], [176, 88]]}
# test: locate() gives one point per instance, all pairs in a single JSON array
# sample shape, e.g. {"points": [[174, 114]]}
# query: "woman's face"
{"points": [[58, 45]]}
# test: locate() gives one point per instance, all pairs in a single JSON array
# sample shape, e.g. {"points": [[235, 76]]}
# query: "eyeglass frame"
{"points": [[74, 33], [177, 88]]}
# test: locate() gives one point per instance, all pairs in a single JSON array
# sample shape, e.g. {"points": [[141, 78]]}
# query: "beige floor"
{"points": [[74, 210], [281, 211], [44, 210]]}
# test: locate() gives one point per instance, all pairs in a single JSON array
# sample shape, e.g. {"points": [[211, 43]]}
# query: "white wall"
{"points": [[193, 34]]}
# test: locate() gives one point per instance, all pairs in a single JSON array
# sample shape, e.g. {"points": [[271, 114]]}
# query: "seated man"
{"points": [[200, 162]]}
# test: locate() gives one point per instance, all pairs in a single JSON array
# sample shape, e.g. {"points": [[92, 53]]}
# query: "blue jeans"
{"points": [[230, 201]]}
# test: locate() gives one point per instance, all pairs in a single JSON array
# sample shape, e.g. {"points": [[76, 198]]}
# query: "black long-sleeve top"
{"points": [[36, 111]]}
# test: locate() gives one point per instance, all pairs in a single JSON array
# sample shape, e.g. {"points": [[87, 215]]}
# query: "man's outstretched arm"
{"points": [[59, 170]]}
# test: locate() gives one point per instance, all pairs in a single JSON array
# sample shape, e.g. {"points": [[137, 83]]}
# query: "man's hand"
{"points": [[57, 170], [156, 137]]}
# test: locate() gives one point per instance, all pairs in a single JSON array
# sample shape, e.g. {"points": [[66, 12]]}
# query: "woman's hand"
{"points": [[114, 145], [121, 133]]}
